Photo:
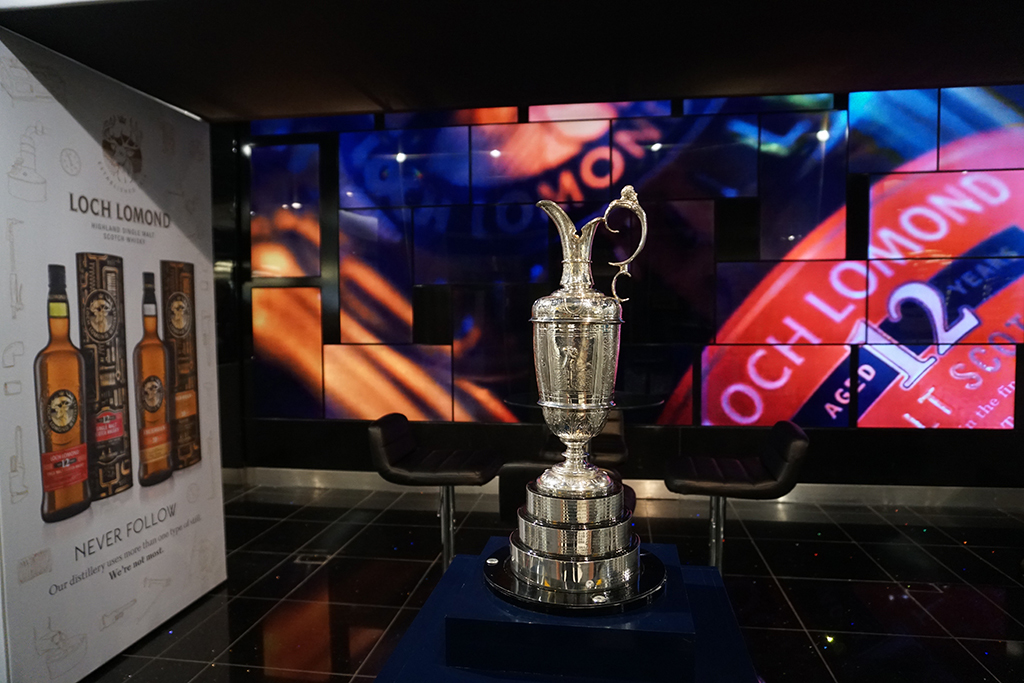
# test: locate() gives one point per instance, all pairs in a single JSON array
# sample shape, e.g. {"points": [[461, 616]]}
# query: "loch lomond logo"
{"points": [[122, 152], [180, 317], [62, 411], [101, 316], [152, 393]]}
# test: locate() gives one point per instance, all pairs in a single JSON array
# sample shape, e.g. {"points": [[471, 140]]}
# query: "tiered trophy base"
{"points": [[574, 553], [640, 591]]}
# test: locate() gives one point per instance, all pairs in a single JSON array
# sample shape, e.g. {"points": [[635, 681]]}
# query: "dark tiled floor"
{"points": [[322, 585]]}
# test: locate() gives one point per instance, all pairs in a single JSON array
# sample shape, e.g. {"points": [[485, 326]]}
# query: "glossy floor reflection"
{"points": [[323, 583]]}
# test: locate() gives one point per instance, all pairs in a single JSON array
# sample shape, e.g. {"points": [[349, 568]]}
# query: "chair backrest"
{"points": [[391, 440], [784, 452]]}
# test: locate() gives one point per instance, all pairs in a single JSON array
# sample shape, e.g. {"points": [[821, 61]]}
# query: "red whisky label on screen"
{"points": [[934, 313]]}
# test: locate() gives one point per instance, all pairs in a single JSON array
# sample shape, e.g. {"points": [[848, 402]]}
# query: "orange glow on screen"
{"points": [[281, 240], [286, 332], [529, 149], [365, 381], [487, 115]]}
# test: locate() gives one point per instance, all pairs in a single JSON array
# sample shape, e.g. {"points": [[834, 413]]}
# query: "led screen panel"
{"points": [[893, 128], [981, 128], [599, 110], [760, 385], [750, 105], [566, 161], [798, 302], [375, 276], [941, 339], [651, 373], [313, 124], [287, 369], [396, 168], [481, 244], [451, 117], [944, 215], [366, 381], [690, 157], [972, 386], [671, 279], [285, 205], [803, 178], [492, 348], [951, 301]]}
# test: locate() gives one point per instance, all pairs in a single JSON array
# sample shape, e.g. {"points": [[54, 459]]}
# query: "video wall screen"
{"points": [[879, 283]]}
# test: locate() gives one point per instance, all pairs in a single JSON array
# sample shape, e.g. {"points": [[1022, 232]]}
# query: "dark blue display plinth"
{"points": [[466, 633]]}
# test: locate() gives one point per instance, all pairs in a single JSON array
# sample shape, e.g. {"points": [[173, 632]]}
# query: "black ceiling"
{"points": [[253, 59]]}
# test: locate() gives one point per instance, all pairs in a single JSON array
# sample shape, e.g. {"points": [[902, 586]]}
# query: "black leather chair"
{"points": [[400, 460], [770, 473]]}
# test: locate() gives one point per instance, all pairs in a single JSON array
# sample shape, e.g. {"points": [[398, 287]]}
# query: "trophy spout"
{"points": [[576, 246]]}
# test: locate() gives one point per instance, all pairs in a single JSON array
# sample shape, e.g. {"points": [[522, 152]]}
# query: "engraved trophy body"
{"points": [[574, 548]]}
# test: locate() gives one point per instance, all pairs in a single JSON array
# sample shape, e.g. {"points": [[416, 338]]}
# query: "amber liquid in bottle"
{"points": [[60, 392], [156, 452]]}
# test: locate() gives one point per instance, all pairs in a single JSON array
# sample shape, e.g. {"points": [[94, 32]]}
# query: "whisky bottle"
{"points": [[178, 294], [60, 389], [152, 399]]}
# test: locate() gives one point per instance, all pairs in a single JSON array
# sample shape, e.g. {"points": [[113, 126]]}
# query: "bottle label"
{"points": [[155, 443], [151, 394], [180, 316], [101, 316], [184, 404], [65, 468], [109, 424], [61, 411]]}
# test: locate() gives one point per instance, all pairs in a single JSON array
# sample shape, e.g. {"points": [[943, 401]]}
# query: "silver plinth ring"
{"points": [[564, 510], [576, 540], [578, 574]]}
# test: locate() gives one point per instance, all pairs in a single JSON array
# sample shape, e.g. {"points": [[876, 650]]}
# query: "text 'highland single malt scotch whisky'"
{"points": [[178, 294], [101, 322], [152, 401], [60, 389]]}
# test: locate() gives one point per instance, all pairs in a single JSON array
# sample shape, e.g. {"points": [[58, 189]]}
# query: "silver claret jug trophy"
{"points": [[574, 549]]}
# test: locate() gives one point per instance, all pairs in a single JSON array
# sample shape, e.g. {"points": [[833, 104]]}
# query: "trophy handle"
{"points": [[628, 200]]}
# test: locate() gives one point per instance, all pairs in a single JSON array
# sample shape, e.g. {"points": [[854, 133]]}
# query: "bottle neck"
{"points": [[60, 323], [149, 318]]}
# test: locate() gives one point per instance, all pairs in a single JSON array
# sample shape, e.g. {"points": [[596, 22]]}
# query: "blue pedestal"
{"points": [[687, 634]]}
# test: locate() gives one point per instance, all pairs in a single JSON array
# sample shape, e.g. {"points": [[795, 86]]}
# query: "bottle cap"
{"points": [[147, 279], [56, 274]]}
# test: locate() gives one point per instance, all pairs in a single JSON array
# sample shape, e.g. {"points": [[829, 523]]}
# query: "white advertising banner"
{"points": [[111, 515]]}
